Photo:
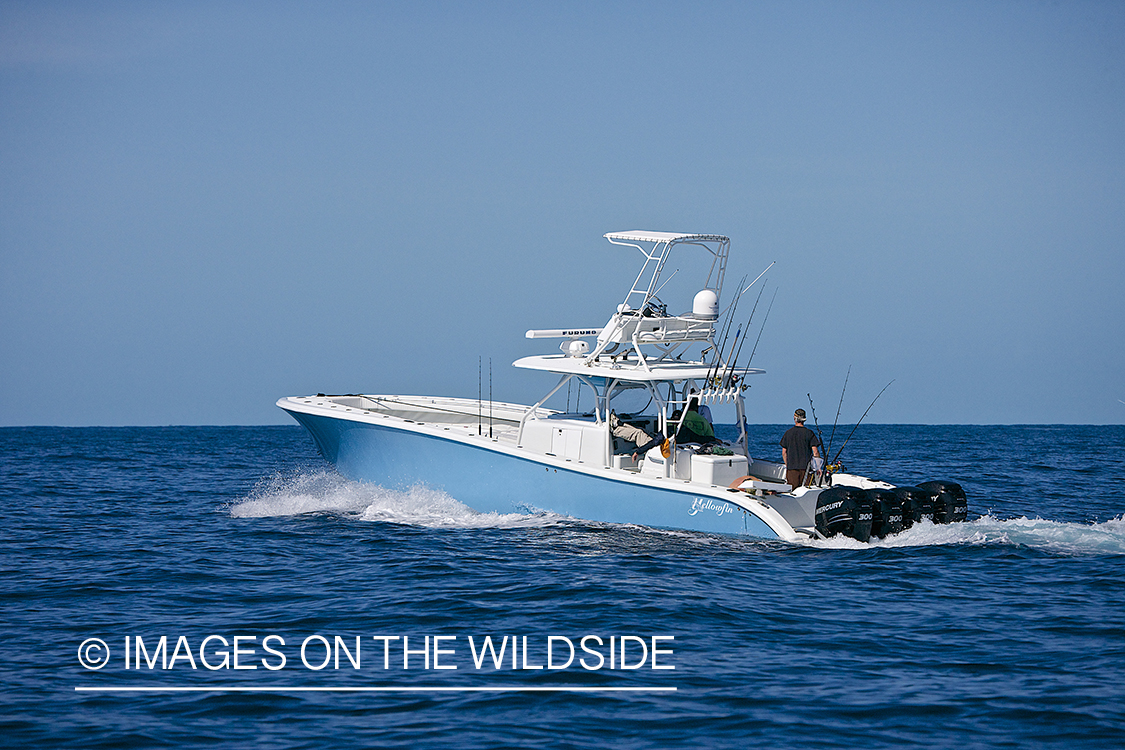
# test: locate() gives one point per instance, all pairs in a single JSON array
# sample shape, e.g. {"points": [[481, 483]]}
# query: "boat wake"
{"points": [[324, 492], [327, 493], [1055, 537]]}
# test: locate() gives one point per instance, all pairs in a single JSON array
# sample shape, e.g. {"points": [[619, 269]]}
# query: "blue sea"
{"points": [[240, 547]]}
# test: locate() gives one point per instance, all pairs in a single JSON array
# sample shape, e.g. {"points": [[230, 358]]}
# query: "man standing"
{"points": [[798, 446]]}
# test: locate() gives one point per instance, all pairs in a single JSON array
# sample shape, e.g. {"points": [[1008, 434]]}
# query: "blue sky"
{"points": [[207, 206]]}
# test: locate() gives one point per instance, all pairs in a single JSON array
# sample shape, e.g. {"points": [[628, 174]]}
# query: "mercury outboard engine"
{"points": [[950, 505], [886, 513], [917, 504], [844, 510]]}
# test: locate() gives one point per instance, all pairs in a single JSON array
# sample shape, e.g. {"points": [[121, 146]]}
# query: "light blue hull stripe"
{"points": [[492, 481]]}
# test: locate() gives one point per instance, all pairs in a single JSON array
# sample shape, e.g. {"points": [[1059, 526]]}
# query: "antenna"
{"points": [[490, 396], [479, 396], [752, 283], [665, 283]]}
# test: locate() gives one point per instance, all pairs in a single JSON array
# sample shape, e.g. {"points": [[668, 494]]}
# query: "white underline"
{"points": [[416, 689]]}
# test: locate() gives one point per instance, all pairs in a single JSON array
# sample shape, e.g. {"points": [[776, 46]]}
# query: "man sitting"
{"points": [[635, 435], [694, 428]]}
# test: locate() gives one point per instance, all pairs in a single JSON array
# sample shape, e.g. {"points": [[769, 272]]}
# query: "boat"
{"points": [[645, 376]]}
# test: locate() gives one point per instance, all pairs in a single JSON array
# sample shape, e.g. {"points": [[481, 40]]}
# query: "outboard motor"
{"points": [[917, 504], [950, 506], [844, 510], [886, 512]]}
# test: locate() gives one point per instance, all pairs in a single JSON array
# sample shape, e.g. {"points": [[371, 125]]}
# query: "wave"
{"points": [[325, 492], [1056, 537]]}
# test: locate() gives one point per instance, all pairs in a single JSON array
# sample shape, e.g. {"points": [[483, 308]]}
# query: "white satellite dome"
{"points": [[706, 305]]}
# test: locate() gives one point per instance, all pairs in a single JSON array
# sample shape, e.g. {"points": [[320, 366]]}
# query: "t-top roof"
{"points": [[640, 235], [674, 370]]}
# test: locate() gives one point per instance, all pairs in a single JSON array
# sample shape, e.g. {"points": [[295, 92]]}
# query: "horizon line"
{"points": [[370, 689], [752, 424]]}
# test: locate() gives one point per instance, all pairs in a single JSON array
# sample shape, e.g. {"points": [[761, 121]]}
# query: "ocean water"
{"points": [[1004, 631]]}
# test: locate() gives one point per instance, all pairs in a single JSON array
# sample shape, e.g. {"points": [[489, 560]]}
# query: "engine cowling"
{"points": [[844, 510], [917, 504], [886, 513], [950, 504]]}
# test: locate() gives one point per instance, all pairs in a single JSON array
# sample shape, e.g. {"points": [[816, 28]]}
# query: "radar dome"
{"points": [[575, 348], [706, 305]]}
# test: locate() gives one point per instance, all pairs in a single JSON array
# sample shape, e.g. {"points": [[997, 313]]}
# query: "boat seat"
{"points": [[625, 461]]}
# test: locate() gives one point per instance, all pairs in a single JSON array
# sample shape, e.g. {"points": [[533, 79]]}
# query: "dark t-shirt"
{"points": [[798, 443]]}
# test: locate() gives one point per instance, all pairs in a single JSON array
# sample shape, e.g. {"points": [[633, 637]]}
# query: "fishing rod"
{"points": [[750, 320], [812, 408], [731, 307], [845, 445], [721, 379], [733, 366], [760, 331], [842, 390], [714, 347], [714, 369], [734, 362], [820, 437], [730, 319]]}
